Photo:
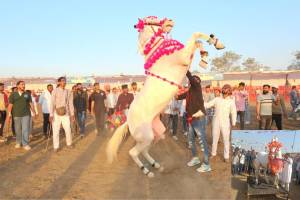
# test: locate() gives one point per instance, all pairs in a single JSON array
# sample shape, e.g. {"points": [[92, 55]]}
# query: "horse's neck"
{"points": [[158, 41]]}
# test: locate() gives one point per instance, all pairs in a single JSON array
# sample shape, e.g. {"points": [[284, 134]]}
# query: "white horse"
{"points": [[262, 162], [162, 83]]}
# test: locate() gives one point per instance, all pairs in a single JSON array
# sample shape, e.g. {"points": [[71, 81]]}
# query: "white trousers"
{"points": [[217, 128], [65, 122]]}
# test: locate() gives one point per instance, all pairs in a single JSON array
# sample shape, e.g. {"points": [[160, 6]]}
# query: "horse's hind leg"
{"points": [[153, 163], [134, 153]]}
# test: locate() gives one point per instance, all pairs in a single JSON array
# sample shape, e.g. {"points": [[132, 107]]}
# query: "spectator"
{"points": [[278, 108], [175, 108], [13, 89], [124, 100], [197, 120], [235, 163], [286, 172], [208, 95], [134, 89], [20, 105], [80, 106], [98, 107], [217, 92], [34, 103], [3, 106], [242, 162], [247, 112], [45, 101], [294, 100], [240, 101], [61, 112], [183, 116], [111, 102], [224, 108], [264, 108]]}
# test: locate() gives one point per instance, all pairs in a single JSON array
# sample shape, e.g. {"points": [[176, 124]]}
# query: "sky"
{"points": [[257, 139], [94, 37]]}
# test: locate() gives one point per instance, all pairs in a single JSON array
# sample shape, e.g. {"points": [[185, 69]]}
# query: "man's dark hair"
{"points": [[125, 86], [19, 82], [133, 83], [96, 84], [1, 84], [294, 87], [61, 78], [266, 85], [78, 84], [208, 86], [242, 84], [197, 78], [49, 85]]}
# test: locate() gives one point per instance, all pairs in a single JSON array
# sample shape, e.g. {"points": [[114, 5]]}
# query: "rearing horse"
{"points": [[166, 64]]}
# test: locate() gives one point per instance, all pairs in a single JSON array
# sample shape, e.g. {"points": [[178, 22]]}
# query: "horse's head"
{"points": [[150, 26]]}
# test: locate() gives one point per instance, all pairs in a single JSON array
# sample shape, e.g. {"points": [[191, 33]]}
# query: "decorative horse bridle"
{"points": [[160, 49]]}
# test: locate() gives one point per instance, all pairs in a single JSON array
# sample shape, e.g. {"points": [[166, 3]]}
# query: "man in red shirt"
{"points": [[124, 100]]}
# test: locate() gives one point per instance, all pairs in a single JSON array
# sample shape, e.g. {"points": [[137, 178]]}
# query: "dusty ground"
{"points": [[82, 172]]}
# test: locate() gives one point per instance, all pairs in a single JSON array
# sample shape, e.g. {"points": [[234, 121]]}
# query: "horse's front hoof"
{"points": [[219, 45]]}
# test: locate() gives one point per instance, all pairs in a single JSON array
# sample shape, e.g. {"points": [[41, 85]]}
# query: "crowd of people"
{"points": [[242, 164], [61, 108], [194, 108]]}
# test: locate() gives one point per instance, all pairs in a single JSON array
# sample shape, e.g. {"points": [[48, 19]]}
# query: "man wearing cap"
{"points": [[98, 108], [124, 100], [278, 108], [224, 108], [196, 120]]}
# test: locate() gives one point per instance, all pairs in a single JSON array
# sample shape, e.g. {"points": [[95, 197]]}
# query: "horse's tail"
{"points": [[115, 142]]}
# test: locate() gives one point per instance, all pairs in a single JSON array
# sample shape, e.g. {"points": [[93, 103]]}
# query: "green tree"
{"points": [[296, 62], [229, 61]]}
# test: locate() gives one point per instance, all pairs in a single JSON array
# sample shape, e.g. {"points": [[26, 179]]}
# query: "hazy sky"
{"points": [[55, 37], [258, 139]]}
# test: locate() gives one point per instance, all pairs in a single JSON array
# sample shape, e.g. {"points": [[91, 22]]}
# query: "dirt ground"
{"points": [[82, 172]]}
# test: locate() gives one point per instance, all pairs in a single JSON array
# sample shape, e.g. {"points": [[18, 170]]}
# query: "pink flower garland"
{"points": [[167, 47]]}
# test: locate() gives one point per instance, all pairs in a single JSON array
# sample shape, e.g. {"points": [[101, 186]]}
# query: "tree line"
{"points": [[232, 62]]}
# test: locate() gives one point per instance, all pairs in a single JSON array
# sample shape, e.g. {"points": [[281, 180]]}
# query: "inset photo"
{"points": [[265, 164]]}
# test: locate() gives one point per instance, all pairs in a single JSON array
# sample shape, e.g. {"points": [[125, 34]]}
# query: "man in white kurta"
{"points": [[224, 108], [287, 170]]}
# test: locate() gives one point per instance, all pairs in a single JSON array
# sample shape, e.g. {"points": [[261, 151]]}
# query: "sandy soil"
{"points": [[82, 172]]}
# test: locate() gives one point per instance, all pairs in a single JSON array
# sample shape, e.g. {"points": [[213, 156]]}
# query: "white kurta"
{"points": [[45, 101], [287, 170], [224, 108]]}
